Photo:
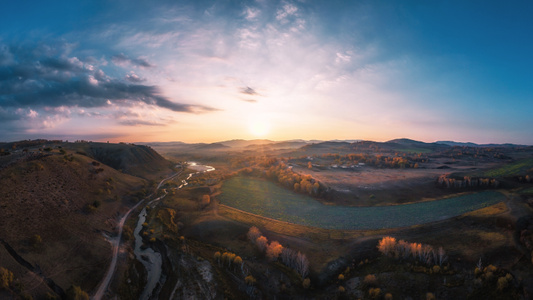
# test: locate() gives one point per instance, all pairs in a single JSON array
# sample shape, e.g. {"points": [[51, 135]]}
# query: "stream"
{"points": [[151, 259]]}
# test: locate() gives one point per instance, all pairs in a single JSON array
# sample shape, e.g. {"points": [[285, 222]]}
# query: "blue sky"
{"points": [[204, 71]]}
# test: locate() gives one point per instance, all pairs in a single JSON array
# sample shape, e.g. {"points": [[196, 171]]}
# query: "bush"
{"points": [[306, 283], [6, 278], [430, 296], [76, 293], [436, 269], [370, 280], [341, 277], [503, 283], [250, 280], [388, 296], [342, 289], [374, 293]]}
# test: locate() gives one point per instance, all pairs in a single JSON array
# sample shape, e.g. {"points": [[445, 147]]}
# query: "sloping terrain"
{"points": [[55, 208], [137, 160]]}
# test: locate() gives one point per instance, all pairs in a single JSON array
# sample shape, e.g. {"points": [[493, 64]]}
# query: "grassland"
{"points": [[264, 198], [513, 169]]}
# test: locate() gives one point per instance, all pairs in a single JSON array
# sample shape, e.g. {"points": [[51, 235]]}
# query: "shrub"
{"points": [[6, 278], [341, 277], [342, 289], [430, 296], [76, 293], [250, 280], [374, 293], [388, 296], [503, 283], [50, 296], [370, 280], [306, 283], [436, 269], [36, 242]]}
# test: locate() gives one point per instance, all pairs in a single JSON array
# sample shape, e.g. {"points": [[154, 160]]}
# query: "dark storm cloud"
{"points": [[32, 79], [121, 59], [249, 91]]}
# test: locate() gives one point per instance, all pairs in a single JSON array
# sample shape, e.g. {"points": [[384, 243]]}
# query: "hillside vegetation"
{"points": [[58, 204]]}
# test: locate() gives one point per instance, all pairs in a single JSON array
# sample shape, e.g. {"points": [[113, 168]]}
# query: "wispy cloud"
{"points": [[248, 91]]}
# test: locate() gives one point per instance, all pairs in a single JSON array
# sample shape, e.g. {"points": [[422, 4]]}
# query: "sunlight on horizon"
{"points": [[259, 127]]}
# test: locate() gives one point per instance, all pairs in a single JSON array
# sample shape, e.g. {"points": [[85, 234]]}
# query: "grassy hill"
{"points": [[57, 204], [137, 160]]}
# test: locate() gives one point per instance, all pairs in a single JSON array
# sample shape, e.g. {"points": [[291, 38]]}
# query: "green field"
{"points": [[517, 168], [267, 199]]}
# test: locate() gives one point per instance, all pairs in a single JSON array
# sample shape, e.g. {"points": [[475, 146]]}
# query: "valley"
{"points": [[348, 212]]}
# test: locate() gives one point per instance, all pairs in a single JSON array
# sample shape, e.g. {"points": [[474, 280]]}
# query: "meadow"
{"points": [[267, 199]]}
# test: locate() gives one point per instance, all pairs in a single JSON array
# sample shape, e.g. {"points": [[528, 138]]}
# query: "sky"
{"points": [[207, 71]]}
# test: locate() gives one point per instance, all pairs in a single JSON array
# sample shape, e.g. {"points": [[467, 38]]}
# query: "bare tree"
{"points": [[443, 257], [302, 265]]}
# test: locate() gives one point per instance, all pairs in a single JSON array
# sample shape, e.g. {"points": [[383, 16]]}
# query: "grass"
{"points": [[517, 168], [264, 198]]}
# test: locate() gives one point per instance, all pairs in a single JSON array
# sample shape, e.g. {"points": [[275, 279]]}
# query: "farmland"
{"points": [[270, 200]]}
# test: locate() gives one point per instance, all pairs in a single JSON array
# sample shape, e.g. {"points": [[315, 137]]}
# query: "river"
{"points": [[151, 259]]}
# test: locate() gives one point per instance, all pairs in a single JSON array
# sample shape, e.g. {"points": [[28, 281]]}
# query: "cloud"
{"points": [[134, 78], [139, 122], [249, 91], [123, 60], [249, 100], [40, 87]]}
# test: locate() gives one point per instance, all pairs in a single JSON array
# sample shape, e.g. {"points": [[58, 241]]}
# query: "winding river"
{"points": [[151, 259]]}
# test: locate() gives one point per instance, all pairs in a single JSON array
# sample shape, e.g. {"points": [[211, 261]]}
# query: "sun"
{"points": [[259, 127]]}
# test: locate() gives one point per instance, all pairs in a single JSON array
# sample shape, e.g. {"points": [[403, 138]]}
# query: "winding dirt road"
{"points": [[115, 244]]}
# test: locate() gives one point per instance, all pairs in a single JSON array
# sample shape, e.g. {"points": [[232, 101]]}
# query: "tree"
{"points": [[387, 245], [217, 257], [250, 280], [6, 278], [36, 242], [306, 283], [76, 293], [237, 261], [261, 243], [302, 265], [205, 200], [253, 233], [273, 250], [288, 257], [374, 293]]}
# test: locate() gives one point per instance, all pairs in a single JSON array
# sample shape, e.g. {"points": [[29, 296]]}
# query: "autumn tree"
{"points": [[274, 250], [387, 245], [76, 293], [261, 243], [205, 200], [6, 278], [253, 233], [306, 283]]}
